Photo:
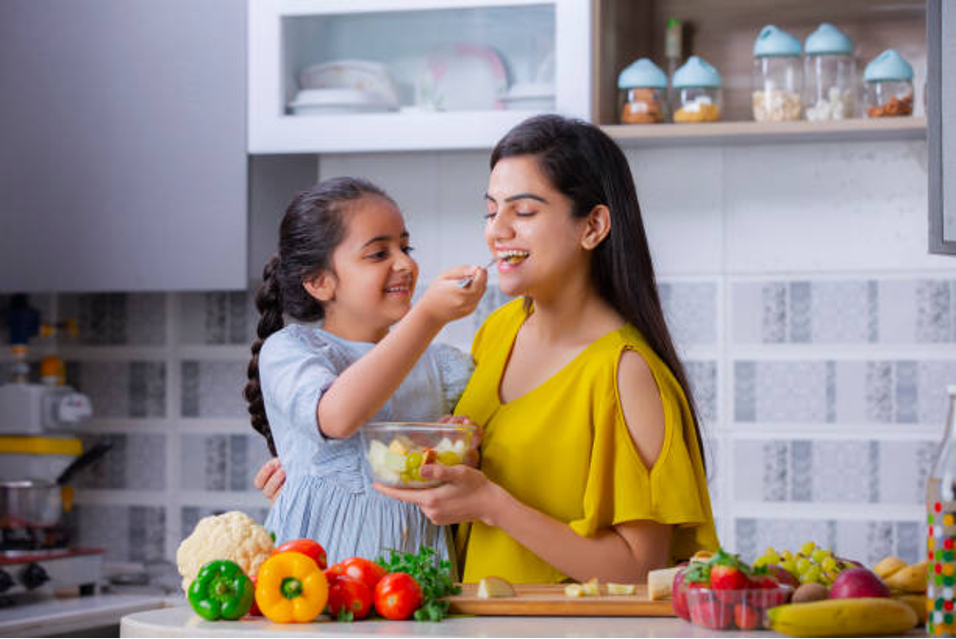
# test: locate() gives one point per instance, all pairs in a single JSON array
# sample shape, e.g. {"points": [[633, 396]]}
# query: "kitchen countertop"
{"points": [[182, 622], [59, 616]]}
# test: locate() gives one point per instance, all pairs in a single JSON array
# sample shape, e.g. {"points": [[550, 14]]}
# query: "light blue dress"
{"points": [[327, 494]]}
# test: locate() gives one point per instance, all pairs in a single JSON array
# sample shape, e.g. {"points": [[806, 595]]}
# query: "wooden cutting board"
{"points": [[549, 600]]}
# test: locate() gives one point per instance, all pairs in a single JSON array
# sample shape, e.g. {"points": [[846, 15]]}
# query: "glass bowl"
{"points": [[396, 451], [734, 609]]}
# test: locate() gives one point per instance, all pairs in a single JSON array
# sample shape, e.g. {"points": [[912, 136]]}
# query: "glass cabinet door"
{"points": [[404, 75]]}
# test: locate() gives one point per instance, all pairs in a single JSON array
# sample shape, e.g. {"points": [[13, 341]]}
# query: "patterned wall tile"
{"points": [[844, 471], [129, 533], [868, 541], [109, 319], [227, 317], [845, 312], [702, 377], [221, 462], [691, 311], [137, 461], [213, 389], [891, 392], [121, 389]]}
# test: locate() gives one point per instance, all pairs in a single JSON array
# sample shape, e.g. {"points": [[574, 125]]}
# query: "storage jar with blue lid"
{"points": [[777, 76], [696, 92], [888, 80], [829, 75], [642, 89]]}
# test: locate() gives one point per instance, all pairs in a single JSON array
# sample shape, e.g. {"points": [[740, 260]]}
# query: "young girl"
{"points": [[344, 259]]}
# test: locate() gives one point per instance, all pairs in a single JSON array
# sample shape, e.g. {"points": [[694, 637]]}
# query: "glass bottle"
{"points": [[941, 532]]}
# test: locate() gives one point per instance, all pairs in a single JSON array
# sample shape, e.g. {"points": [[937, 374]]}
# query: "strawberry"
{"points": [[712, 614], [728, 576], [745, 617]]}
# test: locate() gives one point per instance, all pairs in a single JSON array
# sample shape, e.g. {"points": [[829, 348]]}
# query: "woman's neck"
{"points": [[575, 314]]}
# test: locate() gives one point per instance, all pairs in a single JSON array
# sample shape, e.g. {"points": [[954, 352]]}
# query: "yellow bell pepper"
{"points": [[291, 587]]}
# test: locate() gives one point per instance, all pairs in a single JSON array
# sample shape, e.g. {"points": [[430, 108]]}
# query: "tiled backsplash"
{"points": [[818, 336]]}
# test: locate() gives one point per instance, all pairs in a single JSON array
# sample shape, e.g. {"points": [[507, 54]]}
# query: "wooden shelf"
{"points": [[750, 133]]}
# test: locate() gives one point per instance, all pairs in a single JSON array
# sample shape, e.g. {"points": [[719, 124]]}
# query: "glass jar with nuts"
{"points": [[642, 88], [889, 86], [777, 76]]}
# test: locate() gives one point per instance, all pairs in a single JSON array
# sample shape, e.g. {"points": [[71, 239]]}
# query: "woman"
{"points": [[592, 461]]}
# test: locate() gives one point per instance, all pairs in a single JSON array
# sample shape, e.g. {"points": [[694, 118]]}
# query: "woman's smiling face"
{"points": [[531, 230]]}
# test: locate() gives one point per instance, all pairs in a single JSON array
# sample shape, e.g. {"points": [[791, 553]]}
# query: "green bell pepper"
{"points": [[221, 591]]}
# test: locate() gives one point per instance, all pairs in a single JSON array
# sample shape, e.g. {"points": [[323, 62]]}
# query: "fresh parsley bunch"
{"points": [[432, 574]]}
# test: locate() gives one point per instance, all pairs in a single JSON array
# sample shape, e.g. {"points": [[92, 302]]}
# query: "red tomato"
{"points": [[333, 572], [254, 611], [349, 595], [397, 596], [368, 572], [308, 547]]}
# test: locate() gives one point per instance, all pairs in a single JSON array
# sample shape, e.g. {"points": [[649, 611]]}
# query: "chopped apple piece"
{"points": [[490, 587], [621, 589], [401, 445], [574, 590], [591, 588]]}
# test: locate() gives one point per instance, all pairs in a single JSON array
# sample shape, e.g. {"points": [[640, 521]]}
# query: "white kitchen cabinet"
{"points": [[451, 74], [123, 164]]}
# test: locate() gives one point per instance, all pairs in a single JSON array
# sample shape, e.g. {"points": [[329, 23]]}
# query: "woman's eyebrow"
{"points": [[519, 196], [385, 238]]}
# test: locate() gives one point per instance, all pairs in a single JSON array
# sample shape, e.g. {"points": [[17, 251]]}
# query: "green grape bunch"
{"points": [[812, 564]]}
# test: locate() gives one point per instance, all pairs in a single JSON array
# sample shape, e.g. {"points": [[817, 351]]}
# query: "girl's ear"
{"points": [[321, 286], [598, 225]]}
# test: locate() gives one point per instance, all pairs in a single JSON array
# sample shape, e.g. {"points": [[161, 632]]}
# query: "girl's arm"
{"points": [[364, 387], [622, 553]]}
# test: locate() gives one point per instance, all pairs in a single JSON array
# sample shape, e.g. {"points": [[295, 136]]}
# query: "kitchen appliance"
{"points": [[52, 571]]}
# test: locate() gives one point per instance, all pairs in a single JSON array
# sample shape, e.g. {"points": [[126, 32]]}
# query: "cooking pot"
{"points": [[30, 508]]}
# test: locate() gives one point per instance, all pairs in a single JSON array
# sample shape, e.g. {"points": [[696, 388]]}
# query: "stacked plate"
{"points": [[344, 86]]}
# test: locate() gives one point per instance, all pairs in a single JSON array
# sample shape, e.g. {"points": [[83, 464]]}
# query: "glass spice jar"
{"points": [[777, 76], [697, 92], [642, 86], [889, 86], [829, 75]]}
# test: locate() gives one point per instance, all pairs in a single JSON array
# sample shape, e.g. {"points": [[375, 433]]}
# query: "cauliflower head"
{"points": [[233, 535]]}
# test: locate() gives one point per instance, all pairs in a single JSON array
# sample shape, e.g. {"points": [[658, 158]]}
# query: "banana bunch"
{"points": [[906, 582], [861, 617]]}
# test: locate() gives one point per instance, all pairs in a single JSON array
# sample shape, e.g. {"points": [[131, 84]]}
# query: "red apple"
{"points": [[858, 582]]}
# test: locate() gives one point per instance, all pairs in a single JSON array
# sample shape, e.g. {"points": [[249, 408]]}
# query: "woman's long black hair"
{"points": [[586, 165], [312, 227]]}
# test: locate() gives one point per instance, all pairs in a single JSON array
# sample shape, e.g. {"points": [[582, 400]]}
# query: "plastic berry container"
{"points": [[733, 609], [396, 451]]}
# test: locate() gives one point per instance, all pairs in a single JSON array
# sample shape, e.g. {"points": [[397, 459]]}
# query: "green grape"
{"points": [[413, 460], [829, 564], [787, 555], [807, 548], [803, 564], [790, 566], [810, 575], [819, 554], [761, 561], [772, 556]]}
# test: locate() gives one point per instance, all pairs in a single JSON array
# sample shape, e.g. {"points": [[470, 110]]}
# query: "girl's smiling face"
{"points": [[373, 276], [531, 230]]}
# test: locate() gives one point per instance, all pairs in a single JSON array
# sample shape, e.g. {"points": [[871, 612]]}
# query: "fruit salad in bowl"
{"points": [[396, 451]]}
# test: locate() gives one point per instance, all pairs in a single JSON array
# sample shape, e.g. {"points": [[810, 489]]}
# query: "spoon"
{"points": [[466, 281]]}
